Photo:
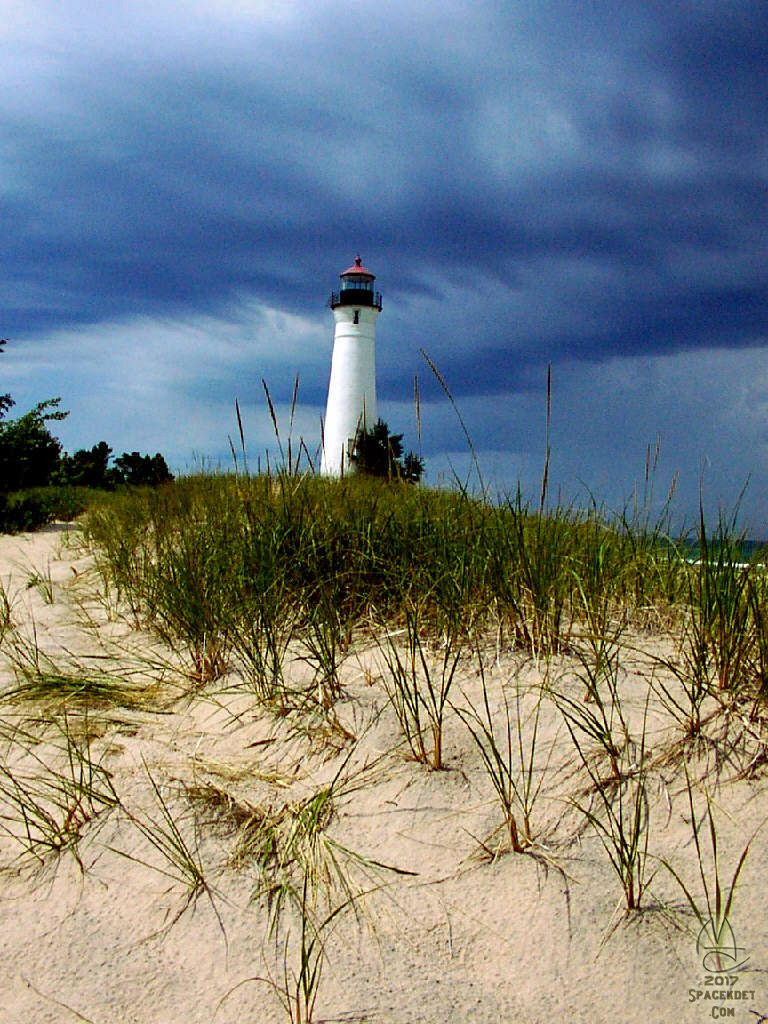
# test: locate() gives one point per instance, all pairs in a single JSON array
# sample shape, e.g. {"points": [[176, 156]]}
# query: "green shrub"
{"points": [[29, 453], [25, 511]]}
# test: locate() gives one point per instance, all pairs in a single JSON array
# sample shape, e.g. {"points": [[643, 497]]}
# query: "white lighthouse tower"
{"points": [[352, 389]]}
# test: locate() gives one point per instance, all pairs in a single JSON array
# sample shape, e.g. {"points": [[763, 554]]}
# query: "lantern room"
{"points": [[356, 288]]}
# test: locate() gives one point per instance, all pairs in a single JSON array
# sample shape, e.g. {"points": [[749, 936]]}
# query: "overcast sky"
{"points": [[581, 184]]}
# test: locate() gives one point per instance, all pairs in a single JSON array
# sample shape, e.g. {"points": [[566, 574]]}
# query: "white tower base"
{"points": [[352, 388]]}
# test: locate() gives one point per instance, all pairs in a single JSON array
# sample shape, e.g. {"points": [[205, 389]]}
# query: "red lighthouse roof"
{"points": [[358, 268]]}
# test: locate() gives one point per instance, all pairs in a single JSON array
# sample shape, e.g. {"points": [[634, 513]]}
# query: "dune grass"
{"points": [[240, 574], [192, 558], [313, 560], [505, 733], [712, 904], [45, 804]]}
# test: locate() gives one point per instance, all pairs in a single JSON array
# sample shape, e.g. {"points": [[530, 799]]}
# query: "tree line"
{"points": [[30, 455]]}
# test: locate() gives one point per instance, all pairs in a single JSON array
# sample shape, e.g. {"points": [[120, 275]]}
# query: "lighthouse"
{"points": [[352, 388]]}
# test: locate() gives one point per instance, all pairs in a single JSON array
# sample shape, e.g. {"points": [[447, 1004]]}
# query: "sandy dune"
{"points": [[107, 931]]}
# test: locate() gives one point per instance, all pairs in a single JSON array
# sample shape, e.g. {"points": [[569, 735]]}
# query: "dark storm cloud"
{"points": [[616, 137]]}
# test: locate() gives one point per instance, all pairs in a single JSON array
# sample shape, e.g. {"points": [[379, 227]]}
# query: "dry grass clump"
{"points": [[46, 800]]}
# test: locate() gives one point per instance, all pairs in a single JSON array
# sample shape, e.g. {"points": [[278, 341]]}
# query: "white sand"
{"points": [[529, 938]]}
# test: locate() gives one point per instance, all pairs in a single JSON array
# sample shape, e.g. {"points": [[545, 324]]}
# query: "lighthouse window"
{"points": [[357, 317], [360, 283]]}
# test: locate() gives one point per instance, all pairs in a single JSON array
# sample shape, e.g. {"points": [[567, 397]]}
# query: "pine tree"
{"points": [[379, 453]]}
